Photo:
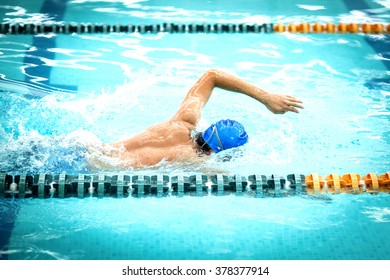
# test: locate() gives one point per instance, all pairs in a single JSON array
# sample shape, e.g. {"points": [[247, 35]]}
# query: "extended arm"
{"points": [[192, 105]]}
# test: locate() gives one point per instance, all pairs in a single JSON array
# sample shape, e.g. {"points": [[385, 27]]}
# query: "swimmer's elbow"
{"points": [[212, 73]]}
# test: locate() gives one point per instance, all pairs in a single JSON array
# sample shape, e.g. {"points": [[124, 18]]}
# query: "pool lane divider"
{"points": [[138, 185], [93, 28]]}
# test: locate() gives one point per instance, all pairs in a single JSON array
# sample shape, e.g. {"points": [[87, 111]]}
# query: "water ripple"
{"points": [[8, 211], [378, 214], [28, 251], [19, 15]]}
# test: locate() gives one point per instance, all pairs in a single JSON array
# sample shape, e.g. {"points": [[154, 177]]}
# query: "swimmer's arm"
{"points": [[276, 103], [199, 94]]}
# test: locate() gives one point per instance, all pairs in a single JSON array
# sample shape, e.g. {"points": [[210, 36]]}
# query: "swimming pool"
{"points": [[58, 90]]}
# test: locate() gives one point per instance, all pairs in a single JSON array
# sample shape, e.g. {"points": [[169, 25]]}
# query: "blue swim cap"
{"points": [[225, 134]]}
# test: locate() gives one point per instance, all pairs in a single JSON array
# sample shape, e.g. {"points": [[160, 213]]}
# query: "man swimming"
{"points": [[172, 141]]}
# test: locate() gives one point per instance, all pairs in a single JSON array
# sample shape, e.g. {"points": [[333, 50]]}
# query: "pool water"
{"points": [[123, 81], [58, 92], [191, 228]]}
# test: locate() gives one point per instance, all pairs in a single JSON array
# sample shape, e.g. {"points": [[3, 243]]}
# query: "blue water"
{"points": [[60, 92], [341, 80], [337, 227]]}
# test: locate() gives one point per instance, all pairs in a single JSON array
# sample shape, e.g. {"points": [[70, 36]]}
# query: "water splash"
{"points": [[378, 214], [34, 153]]}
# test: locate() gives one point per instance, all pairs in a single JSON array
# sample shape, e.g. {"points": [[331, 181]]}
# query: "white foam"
{"points": [[378, 214], [311, 7], [384, 3]]}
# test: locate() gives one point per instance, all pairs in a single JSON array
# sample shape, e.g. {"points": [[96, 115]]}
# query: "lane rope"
{"points": [[92, 28], [125, 185]]}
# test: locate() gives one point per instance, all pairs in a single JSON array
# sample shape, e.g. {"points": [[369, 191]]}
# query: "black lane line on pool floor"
{"points": [[7, 222], [379, 46], [38, 68]]}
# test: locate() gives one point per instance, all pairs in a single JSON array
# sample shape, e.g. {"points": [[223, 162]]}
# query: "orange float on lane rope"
{"points": [[292, 27], [304, 27], [342, 28], [315, 182], [384, 181], [279, 28], [366, 27], [377, 28], [352, 180], [318, 27], [335, 182], [371, 181], [353, 28], [330, 27]]}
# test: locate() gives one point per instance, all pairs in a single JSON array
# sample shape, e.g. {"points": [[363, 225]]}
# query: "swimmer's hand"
{"points": [[280, 104]]}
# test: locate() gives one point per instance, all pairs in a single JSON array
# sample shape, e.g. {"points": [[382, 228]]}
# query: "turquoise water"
{"points": [[333, 228], [122, 81], [58, 92]]}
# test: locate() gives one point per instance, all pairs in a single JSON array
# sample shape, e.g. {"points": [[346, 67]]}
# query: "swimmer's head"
{"points": [[225, 134]]}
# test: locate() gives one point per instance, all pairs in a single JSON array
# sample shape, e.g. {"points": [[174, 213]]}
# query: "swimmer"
{"points": [[173, 140]]}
